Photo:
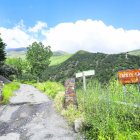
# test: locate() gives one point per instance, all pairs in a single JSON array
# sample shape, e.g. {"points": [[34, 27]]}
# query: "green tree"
{"points": [[38, 57], [2, 51], [21, 65]]}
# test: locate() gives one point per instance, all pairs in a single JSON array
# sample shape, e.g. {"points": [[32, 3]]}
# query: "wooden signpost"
{"points": [[129, 77], [84, 74]]}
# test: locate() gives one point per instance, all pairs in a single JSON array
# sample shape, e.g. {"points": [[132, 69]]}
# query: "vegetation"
{"points": [[5, 70], [108, 113], [105, 66], [135, 52], [21, 66], [38, 57], [8, 91], [50, 88], [2, 51], [58, 59]]}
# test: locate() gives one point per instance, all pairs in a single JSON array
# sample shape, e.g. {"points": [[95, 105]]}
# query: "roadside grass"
{"points": [[8, 90], [50, 88], [108, 113]]}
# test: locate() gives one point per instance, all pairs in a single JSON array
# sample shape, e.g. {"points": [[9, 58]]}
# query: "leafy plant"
{"points": [[50, 88], [8, 90]]}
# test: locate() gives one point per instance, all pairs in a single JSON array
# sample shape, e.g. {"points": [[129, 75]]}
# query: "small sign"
{"points": [[129, 76], [85, 73]]}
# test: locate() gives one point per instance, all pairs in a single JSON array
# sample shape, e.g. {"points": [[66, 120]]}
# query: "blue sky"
{"points": [[109, 26], [119, 13]]}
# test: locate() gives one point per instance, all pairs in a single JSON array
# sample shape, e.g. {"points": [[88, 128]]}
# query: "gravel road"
{"points": [[31, 116]]}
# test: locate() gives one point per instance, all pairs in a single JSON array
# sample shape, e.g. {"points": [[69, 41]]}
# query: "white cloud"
{"points": [[17, 36], [38, 27], [90, 35]]}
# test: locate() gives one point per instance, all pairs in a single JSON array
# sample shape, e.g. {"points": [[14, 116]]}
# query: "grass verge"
{"points": [[8, 91], [50, 88]]}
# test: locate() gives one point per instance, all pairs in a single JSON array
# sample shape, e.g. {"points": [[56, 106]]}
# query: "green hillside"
{"points": [[104, 65], [56, 60], [135, 52], [16, 54]]}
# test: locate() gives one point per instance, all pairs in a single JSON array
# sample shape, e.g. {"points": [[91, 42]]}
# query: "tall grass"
{"points": [[109, 113], [8, 90], [50, 88]]}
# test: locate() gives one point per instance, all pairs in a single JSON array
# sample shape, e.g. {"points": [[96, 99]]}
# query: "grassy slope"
{"points": [[56, 60], [135, 52], [104, 65], [16, 54]]}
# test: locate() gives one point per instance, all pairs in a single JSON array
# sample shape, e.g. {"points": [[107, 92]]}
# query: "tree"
{"points": [[21, 65], [38, 57], [2, 51]]}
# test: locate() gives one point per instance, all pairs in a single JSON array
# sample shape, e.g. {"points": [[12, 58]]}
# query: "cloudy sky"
{"points": [[109, 26]]}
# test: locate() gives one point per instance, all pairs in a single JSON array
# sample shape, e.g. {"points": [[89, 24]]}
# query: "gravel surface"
{"points": [[31, 116]]}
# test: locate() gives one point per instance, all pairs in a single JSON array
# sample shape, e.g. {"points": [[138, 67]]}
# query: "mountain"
{"points": [[16, 52], [16, 49], [105, 66], [135, 52], [59, 52], [20, 52]]}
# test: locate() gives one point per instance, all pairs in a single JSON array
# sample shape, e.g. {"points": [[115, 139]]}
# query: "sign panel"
{"points": [[129, 76], [86, 73]]}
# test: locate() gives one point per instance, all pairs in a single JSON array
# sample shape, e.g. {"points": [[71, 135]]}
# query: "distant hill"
{"points": [[20, 52], [16, 52], [16, 49], [105, 65], [135, 52], [58, 53]]}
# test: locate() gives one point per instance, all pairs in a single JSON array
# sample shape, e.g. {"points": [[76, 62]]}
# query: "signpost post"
{"points": [[84, 74]]}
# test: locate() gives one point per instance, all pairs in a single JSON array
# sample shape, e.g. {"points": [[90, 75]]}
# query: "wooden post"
{"points": [[84, 82]]}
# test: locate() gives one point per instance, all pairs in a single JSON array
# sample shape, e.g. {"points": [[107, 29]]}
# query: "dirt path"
{"points": [[31, 116]]}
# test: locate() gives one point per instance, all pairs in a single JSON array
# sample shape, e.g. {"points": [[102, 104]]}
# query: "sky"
{"points": [[109, 26]]}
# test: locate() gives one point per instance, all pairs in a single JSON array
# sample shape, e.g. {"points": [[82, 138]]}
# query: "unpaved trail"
{"points": [[31, 116]]}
